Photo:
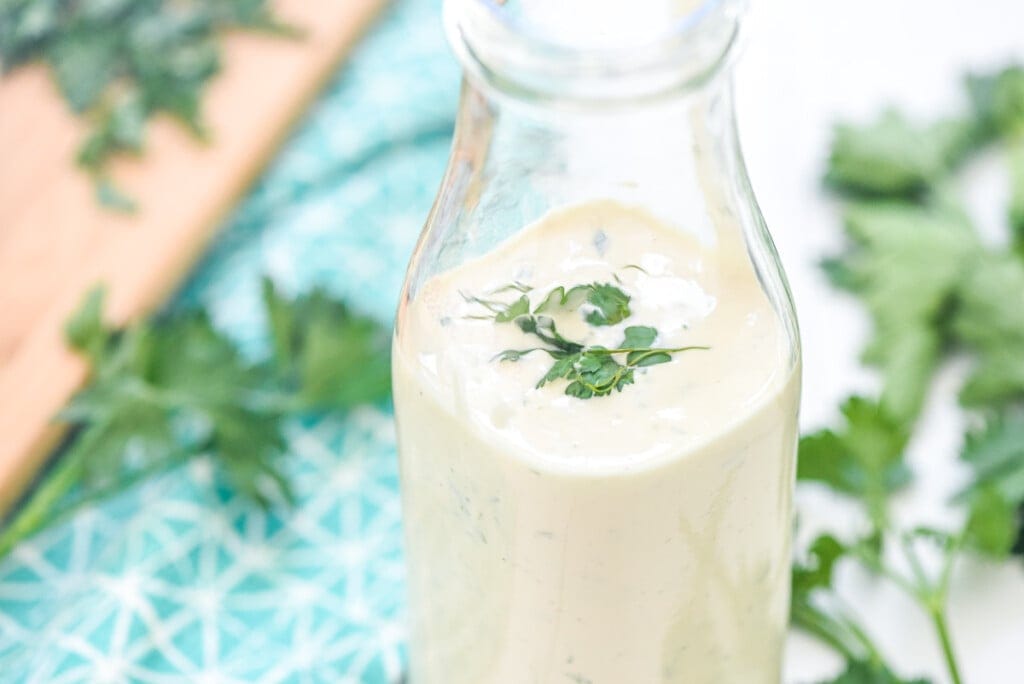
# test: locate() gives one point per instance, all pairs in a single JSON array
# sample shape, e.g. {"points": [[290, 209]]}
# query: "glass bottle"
{"points": [[631, 524]]}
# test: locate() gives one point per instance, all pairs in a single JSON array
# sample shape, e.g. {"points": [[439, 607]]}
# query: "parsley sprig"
{"points": [[590, 370], [933, 288], [166, 390]]}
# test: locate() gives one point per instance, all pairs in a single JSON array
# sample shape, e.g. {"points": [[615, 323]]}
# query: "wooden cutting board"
{"points": [[56, 242]]}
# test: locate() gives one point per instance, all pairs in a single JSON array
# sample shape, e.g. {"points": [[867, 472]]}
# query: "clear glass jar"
{"points": [[627, 527]]}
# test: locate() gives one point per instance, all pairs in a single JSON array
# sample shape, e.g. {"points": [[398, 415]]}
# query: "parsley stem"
{"points": [[936, 599], [36, 513], [871, 560], [655, 350], [865, 641], [932, 597], [41, 510], [837, 630], [823, 627], [938, 616], [920, 576], [947, 566]]}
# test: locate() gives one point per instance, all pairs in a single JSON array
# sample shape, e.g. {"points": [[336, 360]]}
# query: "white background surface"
{"points": [[805, 64]]}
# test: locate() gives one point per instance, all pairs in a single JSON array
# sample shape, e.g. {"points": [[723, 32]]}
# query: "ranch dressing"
{"points": [[634, 538]]}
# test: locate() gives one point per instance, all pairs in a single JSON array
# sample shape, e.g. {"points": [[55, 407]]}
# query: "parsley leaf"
{"points": [[990, 320], [610, 304], [905, 263], [998, 100], [894, 157], [501, 312], [863, 460], [823, 554], [993, 523], [995, 495], [809, 607], [327, 355], [85, 330], [1016, 210], [562, 299]]}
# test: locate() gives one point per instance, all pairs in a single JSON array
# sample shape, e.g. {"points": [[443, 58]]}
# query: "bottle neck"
{"points": [[545, 124], [633, 105], [675, 155]]}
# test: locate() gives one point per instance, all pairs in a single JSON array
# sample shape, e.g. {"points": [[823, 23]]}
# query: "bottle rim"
{"points": [[505, 51], [529, 31]]}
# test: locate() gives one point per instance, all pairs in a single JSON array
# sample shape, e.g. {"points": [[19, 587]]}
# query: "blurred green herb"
{"points": [[893, 156], [995, 494], [819, 611], [864, 460], [165, 390], [905, 261], [120, 62], [933, 288], [591, 371]]}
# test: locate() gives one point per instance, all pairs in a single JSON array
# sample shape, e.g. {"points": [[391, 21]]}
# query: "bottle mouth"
{"points": [[592, 51]]}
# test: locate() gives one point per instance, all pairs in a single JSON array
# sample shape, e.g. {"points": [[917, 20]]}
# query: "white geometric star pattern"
{"points": [[197, 585]]}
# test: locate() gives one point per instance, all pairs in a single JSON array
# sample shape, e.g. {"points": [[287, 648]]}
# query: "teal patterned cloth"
{"points": [[177, 580]]}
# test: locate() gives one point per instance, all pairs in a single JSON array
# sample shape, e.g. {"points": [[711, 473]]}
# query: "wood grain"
{"points": [[56, 242]]}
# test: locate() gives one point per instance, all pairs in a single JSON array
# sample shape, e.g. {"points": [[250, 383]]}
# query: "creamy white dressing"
{"points": [[639, 537]]}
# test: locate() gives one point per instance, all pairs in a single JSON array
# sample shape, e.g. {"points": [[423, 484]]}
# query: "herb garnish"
{"points": [[166, 390], [120, 62], [591, 371]]}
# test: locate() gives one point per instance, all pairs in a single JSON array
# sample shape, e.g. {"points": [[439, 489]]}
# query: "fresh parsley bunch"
{"points": [[933, 289], [165, 390]]}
